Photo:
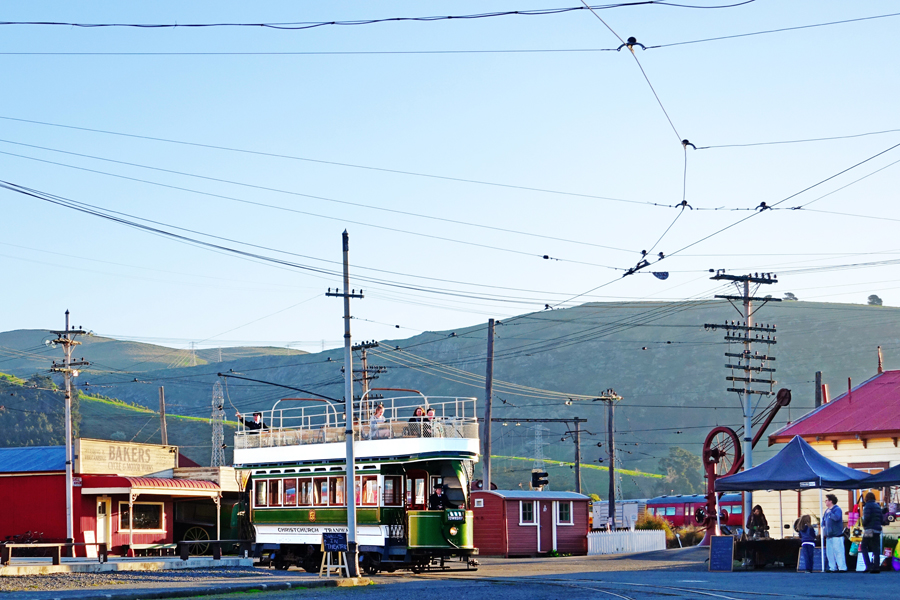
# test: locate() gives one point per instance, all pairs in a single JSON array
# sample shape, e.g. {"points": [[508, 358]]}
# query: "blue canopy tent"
{"points": [[796, 467], [887, 478]]}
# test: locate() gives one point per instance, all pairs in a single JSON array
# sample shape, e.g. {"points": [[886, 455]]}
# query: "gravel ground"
{"points": [[82, 581]]}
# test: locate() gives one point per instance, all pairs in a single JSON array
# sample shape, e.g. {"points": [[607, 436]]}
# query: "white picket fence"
{"points": [[620, 542]]}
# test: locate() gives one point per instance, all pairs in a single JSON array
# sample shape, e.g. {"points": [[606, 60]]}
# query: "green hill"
{"points": [[657, 355], [36, 416], [24, 352]]}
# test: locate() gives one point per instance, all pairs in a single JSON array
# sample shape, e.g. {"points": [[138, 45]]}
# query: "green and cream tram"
{"points": [[296, 474]]}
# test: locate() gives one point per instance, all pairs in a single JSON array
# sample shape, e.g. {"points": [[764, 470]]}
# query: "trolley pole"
{"points": [[488, 397], [66, 340], [350, 489]]}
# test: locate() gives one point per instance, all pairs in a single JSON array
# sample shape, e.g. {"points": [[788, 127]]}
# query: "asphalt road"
{"points": [[672, 574]]}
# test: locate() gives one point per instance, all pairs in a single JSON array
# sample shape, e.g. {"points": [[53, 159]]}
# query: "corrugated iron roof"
{"points": [[147, 483], [869, 409], [32, 459], [532, 495]]}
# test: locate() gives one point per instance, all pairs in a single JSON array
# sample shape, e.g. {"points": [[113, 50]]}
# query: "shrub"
{"points": [[648, 521], [691, 535]]}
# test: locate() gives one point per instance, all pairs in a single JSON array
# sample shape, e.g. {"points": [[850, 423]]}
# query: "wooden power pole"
{"points": [[488, 396]]}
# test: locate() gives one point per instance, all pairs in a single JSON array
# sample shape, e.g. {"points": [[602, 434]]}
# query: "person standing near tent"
{"points": [[833, 529], [807, 540], [871, 540]]}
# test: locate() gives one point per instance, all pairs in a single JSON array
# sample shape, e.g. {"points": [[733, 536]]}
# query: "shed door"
{"points": [[545, 507]]}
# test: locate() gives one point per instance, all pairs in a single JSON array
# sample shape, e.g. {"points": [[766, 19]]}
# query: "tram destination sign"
{"points": [[123, 458]]}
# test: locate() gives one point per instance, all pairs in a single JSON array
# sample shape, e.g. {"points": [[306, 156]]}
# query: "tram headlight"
{"points": [[454, 531]]}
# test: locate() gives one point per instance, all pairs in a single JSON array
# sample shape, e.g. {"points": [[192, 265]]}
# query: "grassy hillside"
{"points": [[35, 417], [23, 352], [657, 355]]}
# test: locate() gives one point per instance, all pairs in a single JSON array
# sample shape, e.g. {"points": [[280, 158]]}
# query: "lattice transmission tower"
{"points": [[217, 420]]}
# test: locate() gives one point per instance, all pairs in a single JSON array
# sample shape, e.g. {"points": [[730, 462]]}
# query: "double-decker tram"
{"points": [[296, 472]]}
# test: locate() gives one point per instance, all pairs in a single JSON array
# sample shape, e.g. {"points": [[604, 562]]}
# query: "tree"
{"points": [[683, 473], [790, 296], [875, 300]]}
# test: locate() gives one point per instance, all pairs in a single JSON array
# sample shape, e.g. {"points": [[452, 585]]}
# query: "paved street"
{"points": [[672, 574]]}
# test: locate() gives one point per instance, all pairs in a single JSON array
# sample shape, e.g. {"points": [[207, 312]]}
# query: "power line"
{"points": [[302, 25]]}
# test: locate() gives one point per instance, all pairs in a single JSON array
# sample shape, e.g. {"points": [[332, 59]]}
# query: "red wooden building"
{"points": [[125, 512], [518, 523]]}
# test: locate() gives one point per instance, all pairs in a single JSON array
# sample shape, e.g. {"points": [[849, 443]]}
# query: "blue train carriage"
{"points": [[297, 482]]}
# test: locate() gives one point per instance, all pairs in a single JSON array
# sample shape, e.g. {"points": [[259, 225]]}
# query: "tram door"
{"points": [[545, 510]]}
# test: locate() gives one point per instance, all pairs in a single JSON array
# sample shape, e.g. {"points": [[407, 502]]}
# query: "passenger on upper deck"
{"points": [[431, 427], [414, 429], [256, 423], [378, 429]]}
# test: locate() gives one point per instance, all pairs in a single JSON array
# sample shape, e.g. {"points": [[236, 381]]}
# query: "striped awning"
{"points": [[109, 484]]}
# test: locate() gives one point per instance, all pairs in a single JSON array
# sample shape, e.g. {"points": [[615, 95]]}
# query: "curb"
{"points": [[222, 589]]}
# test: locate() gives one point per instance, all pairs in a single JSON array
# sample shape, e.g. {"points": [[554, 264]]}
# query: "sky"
{"points": [[458, 154]]}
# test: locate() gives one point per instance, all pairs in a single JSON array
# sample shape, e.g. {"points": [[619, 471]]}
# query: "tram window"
{"points": [[274, 492], [306, 492], [679, 510], [392, 491], [736, 509], [337, 491], [261, 493], [419, 491], [670, 511], [370, 490], [320, 491], [290, 492]]}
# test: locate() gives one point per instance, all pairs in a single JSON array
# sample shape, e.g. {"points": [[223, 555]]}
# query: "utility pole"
{"points": [[366, 375], [69, 370], [488, 397], [162, 417], [217, 419], [740, 332], [350, 490], [577, 457], [610, 397]]}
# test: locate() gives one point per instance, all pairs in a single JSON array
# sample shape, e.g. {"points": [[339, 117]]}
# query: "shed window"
{"points": [[147, 516], [564, 513], [526, 512]]}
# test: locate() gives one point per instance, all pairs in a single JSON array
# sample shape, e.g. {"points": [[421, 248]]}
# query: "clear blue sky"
{"points": [[584, 123]]}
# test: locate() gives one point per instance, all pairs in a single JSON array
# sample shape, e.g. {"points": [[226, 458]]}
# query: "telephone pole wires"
{"points": [[488, 397], [747, 333], [162, 417], [610, 397], [69, 369], [366, 374], [346, 294]]}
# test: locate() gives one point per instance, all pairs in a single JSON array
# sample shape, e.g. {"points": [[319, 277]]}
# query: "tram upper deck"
{"points": [[304, 433]]}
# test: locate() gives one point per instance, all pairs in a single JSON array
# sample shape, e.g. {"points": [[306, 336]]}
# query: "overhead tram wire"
{"points": [[535, 254], [111, 215], [303, 25], [279, 191]]}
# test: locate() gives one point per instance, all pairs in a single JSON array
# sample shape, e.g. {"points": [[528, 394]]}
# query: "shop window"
{"points": [[320, 491], [526, 512], [147, 516], [261, 496], [393, 494], [274, 492], [290, 492], [564, 513]]}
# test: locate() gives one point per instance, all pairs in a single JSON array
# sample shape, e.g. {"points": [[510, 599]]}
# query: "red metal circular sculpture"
{"points": [[722, 452]]}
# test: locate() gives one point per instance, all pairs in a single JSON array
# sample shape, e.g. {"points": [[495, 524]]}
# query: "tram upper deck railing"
{"points": [[324, 423]]}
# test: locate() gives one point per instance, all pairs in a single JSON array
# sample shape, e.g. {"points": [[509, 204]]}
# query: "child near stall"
{"points": [[807, 540]]}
